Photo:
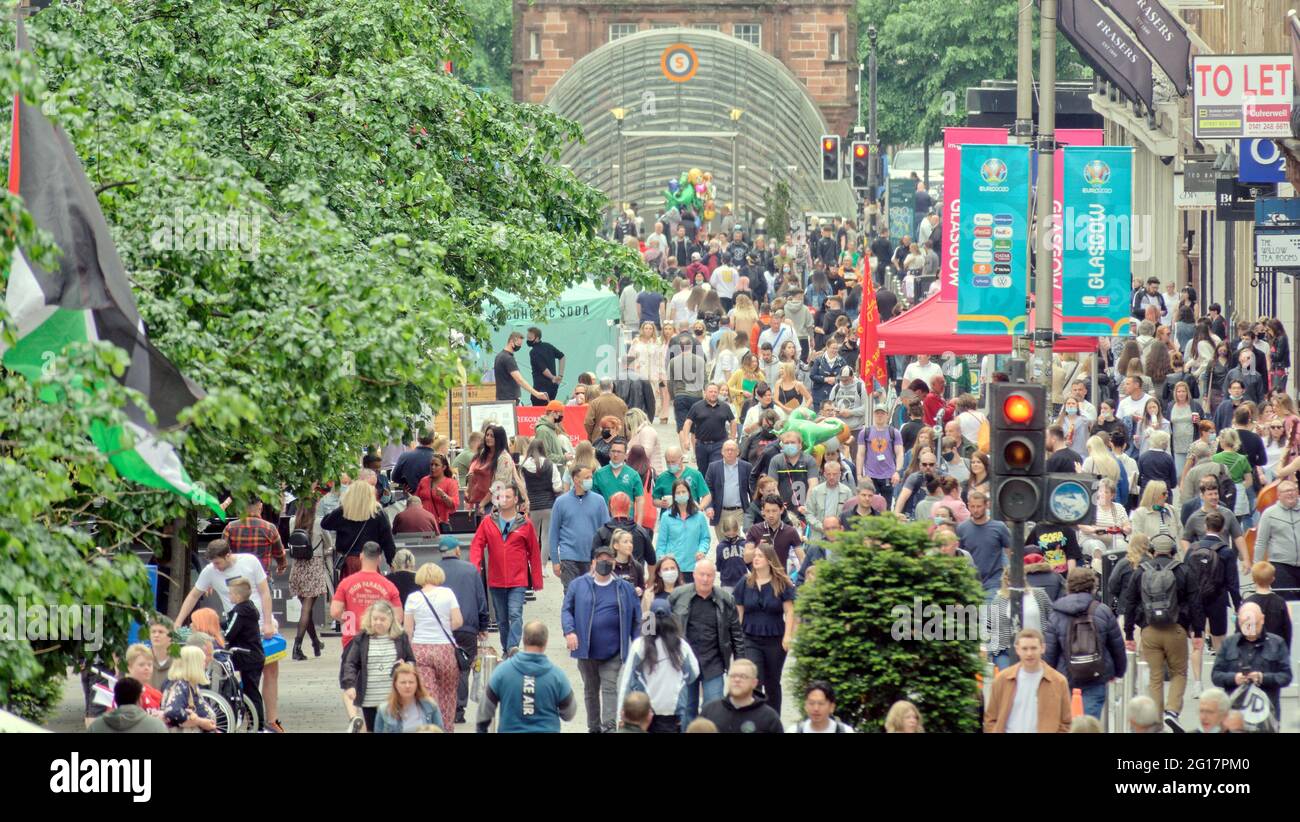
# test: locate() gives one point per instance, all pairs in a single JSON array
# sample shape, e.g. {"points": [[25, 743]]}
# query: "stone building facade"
{"points": [[815, 39]]}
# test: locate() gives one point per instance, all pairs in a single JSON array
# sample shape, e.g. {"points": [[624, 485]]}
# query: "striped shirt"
{"points": [[380, 659]]}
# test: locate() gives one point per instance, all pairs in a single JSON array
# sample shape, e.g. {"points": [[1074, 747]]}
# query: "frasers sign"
{"points": [[1241, 95]]}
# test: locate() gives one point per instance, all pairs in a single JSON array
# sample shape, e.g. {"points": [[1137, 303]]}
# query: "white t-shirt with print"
{"points": [[242, 565]]}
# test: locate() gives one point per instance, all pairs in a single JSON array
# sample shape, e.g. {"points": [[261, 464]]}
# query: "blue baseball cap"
{"points": [[448, 543]]}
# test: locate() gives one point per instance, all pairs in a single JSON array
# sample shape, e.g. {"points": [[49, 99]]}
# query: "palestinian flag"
{"points": [[87, 299]]}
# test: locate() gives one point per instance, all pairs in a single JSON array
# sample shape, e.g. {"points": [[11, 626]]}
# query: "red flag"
{"points": [[871, 361]]}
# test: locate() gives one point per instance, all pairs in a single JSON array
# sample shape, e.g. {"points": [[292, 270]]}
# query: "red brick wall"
{"points": [[796, 32]]}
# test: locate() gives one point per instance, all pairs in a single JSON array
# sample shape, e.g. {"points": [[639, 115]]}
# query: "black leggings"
{"points": [[249, 680], [766, 652], [307, 625]]}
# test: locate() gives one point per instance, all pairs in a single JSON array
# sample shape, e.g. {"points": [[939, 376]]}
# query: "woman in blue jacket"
{"points": [[684, 534], [409, 706]]}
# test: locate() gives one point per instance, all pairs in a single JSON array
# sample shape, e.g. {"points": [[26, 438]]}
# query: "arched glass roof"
{"points": [[669, 127]]}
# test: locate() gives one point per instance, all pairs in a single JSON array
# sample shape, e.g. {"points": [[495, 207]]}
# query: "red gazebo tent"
{"points": [[929, 327]]}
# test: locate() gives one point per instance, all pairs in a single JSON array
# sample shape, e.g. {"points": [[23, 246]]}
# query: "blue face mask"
{"points": [[789, 449], [675, 469], [586, 484], [1071, 411], [681, 498]]}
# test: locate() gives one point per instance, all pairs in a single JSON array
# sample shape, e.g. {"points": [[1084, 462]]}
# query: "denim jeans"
{"points": [[705, 453], [1094, 697], [509, 605], [689, 705]]}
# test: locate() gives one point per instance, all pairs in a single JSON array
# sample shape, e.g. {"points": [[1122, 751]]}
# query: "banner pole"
{"points": [[1043, 330]]}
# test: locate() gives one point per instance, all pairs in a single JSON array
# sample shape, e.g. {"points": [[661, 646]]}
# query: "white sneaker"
{"points": [[356, 725], [1194, 688], [546, 571]]}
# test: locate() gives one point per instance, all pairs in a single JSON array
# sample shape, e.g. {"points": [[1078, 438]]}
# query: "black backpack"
{"points": [[300, 546], [1207, 568], [1159, 593], [1087, 662]]}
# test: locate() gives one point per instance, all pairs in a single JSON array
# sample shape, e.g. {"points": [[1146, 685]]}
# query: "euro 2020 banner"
{"points": [[1097, 226], [994, 239]]}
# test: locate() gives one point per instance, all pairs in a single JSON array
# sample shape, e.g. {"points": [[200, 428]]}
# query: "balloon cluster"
{"points": [[689, 198]]}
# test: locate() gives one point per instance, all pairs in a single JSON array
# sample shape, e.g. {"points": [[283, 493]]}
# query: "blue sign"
{"points": [[1275, 210], [993, 235], [1261, 162], [1097, 231]]}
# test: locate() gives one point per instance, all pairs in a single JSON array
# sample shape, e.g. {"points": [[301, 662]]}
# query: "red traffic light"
{"points": [[859, 150], [1018, 409]]}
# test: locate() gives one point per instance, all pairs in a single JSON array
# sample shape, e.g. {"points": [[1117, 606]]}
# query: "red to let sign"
{"points": [[1241, 95]]}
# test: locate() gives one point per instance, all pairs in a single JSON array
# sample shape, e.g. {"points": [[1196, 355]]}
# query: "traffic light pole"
{"points": [[1043, 298], [872, 183], [1023, 134], [1017, 573]]}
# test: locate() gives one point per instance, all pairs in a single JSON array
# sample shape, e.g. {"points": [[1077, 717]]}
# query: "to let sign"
{"points": [[1241, 95]]}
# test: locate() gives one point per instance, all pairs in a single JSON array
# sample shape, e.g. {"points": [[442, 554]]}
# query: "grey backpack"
{"points": [[1159, 593]]}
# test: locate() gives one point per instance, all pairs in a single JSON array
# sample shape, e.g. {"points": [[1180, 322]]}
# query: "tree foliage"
{"points": [[492, 23], [848, 635], [314, 216], [928, 52]]}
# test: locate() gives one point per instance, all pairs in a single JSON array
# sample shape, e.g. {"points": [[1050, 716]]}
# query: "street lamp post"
{"points": [[619, 114], [872, 138]]}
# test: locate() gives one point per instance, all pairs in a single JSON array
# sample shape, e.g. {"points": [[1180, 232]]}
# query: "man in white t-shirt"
{"points": [[678, 311], [1134, 401], [724, 282], [1079, 390], [1030, 696], [922, 369], [224, 566]]}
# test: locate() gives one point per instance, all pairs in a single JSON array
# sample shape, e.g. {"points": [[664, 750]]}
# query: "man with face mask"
{"points": [[506, 371], [1251, 380], [617, 477], [550, 432], [1236, 395], [675, 469], [795, 472], [575, 519], [1254, 655], [600, 618], [548, 366]]}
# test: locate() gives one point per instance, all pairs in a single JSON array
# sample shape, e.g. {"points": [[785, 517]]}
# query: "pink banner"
{"points": [[953, 139], [1064, 137]]}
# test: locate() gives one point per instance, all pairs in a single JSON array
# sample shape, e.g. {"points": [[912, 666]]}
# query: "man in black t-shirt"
{"points": [[710, 423], [1059, 545], [548, 366], [506, 371], [1062, 459]]}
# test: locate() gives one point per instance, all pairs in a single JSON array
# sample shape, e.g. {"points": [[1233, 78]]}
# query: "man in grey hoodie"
{"points": [[128, 717], [801, 319]]}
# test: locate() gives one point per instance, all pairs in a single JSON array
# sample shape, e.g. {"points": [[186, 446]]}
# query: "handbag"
{"points": [[462, 656]]}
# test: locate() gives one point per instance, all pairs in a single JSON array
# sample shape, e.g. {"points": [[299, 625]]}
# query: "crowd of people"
{"points": [[681, 560]]}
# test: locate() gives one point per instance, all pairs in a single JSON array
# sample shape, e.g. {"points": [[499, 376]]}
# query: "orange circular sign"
{"points": [[679, 62]]}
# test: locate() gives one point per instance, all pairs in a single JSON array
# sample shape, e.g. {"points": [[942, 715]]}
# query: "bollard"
{"points": [[1105, 707], [1143, 679]]}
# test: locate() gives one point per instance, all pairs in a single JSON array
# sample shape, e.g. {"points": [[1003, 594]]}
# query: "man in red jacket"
{"points": [[514, 563]]}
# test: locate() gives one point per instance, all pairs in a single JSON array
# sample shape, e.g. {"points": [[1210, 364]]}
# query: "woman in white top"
{"points": [[1153, 419], [1110, 515], [1183, 417], [641, 432], [431, 615], [661, 665], [726, 357], [1275, 446]]}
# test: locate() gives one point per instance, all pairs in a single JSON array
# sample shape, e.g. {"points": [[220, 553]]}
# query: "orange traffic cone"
{"points": [[1076, 703]]}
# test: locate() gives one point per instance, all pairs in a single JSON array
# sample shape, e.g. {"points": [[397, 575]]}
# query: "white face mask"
{"points": [[669, 575]]}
